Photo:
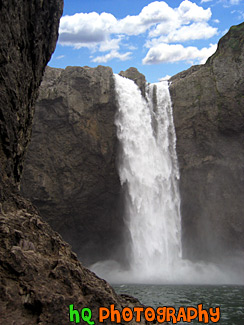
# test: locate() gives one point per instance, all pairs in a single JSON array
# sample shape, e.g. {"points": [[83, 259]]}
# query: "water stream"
{"points": [[148, 170]]}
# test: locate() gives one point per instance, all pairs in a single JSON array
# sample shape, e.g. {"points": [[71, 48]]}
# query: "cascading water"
{"points": [[149, 171]]}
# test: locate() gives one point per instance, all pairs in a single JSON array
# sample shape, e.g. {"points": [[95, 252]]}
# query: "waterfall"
{"points": [[148, 170], [149, 174]]}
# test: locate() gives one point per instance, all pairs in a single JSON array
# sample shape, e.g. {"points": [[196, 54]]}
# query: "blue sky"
{"points": [[159, 38]]}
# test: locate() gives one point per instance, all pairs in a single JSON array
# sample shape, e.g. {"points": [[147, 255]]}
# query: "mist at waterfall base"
{"points": [[149, 173]]}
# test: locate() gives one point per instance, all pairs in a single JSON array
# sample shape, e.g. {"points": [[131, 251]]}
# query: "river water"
{"points": [[230, 299]]}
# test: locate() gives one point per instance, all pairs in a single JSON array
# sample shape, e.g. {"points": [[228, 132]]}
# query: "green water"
{"points": [[230, 299]]}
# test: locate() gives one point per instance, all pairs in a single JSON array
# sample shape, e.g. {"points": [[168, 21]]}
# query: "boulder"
{"points": [[137, 77]]}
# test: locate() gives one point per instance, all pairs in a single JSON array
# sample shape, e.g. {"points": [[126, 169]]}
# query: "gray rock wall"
{"points": [[208, 105], [71, 173]]}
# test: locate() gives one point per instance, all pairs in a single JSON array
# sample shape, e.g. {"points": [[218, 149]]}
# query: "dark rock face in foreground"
{"points": [[39, 275], [208, 104], [26, 46], [70, 172]]}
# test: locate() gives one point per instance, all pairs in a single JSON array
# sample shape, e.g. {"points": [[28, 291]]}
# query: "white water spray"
{"points": [[148, 168], [149, 172]]}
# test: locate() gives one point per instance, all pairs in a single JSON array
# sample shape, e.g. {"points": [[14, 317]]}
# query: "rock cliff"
{"points": [[26, 47], [39, 274], [71, 173], [208, 105]]}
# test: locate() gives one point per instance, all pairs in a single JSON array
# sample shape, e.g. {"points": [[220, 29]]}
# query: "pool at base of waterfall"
{"points": [[230, 299]]}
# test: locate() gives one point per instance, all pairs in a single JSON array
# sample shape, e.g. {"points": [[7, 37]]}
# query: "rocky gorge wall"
{"points": [[71, 168], [208, 106], [71, 173], [74, 180], [39, 274]]}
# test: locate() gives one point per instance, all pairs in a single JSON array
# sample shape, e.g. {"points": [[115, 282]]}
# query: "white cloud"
{"points": [[224, 32], [154, 13], [157, 21], [239, 13], [165, 78], [206, 52], [202, 1], [110, 44], [88, 30], [85, 27], [163, 53], [200, 30], [235, 2], [189, 11], [228, 3], [60, 57], [112, 55]]}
